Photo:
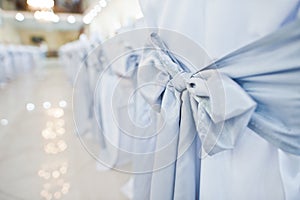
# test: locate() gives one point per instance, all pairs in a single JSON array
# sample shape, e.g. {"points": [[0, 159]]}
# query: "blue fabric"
{"points": [[256, 86], [268, 70], [176, 142], [261, 76], [292, 16]]}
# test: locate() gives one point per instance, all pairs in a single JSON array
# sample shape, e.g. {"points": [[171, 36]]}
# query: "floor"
{"points": [[40, 155]]}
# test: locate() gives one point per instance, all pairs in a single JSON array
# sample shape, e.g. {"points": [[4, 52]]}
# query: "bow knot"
{"points": [[181, 81]]}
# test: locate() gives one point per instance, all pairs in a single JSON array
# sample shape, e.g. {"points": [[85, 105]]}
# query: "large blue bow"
{"points": [[256, 86]]}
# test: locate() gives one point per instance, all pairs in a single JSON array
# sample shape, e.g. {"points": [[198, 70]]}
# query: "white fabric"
{"points": [[254, 169], [220, 26], [16, 59]]}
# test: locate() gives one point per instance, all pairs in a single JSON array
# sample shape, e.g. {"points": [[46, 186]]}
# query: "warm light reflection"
{"points": [[48, 134], [44, 193], [4, 122], [89, 17], [103, 3], [61, 131], [54, 129], [54, 148], [55, 112], [98, 8], [57, 195], [40, 4], [66, 186], [41, 173], [55, 187], [64, 190], [62, 103], [53, 174], [47, 105], [30, 106], [62, 145], [19, 17], [71, 19], [63, 169], [46, 16]]}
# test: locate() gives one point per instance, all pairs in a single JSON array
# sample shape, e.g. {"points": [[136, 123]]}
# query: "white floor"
{"points": [[40, 155]]}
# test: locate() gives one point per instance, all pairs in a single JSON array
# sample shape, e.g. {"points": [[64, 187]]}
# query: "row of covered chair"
{"points": [[17, 59], [101, 74], [187, 122]]}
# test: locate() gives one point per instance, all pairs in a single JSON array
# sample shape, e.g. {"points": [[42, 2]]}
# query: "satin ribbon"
{"points": [[266, 71], [223, 108]]}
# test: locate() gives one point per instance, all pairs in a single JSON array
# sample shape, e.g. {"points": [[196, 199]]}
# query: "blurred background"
{"points": [[55, 23], [41, 156]]}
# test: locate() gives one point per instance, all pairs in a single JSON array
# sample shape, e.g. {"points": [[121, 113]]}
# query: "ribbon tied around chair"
{"points": [[221, 108]]}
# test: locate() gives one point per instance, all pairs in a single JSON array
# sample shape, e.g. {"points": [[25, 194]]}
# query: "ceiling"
{"points": [[63, 9], [69, 6], [8, 17]]}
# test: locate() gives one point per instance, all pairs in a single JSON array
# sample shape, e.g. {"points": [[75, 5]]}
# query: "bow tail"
{"points": [[188, 161]]}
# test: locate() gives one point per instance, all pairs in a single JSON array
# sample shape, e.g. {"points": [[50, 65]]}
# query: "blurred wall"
{"points": [[9, 34], [117, 14], [54, 39]]}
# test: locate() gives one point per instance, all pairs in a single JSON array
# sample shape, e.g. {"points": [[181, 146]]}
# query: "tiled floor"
{"points": [[40, 155]]}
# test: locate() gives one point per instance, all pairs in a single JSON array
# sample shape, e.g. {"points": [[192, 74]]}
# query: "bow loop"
{"points": [[223, 113]]}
